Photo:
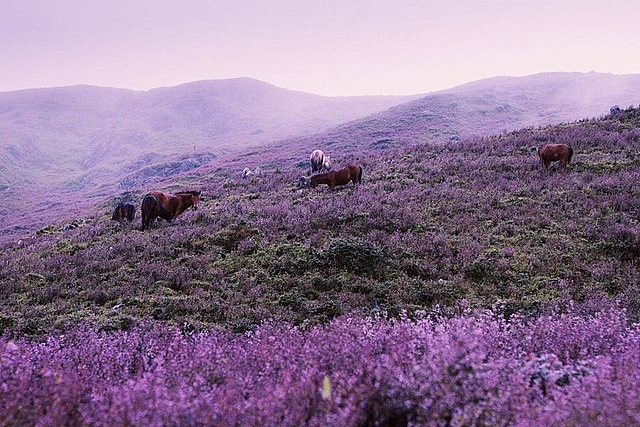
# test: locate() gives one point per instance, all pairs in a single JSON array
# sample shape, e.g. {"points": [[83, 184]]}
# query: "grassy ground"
{"points": [[466, 224]]}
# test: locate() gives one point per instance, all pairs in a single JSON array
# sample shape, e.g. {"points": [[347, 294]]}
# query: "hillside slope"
{"points": [[85, 143], [74, 131], [487, 107], [443, 225], [73, 148]]}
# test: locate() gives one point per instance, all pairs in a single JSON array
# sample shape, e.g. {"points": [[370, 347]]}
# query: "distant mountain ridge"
{"points": [[488, 107], [87, 127], [87, 144]]}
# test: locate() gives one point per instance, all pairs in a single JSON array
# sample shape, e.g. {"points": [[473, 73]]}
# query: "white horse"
{"points": [[319, 161]]}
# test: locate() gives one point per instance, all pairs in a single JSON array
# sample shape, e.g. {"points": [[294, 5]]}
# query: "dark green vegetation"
{"points": [[454, 225]]}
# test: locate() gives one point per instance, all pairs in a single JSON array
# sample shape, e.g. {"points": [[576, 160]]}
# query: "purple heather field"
{"points": [[473, 369], [461, 284]]}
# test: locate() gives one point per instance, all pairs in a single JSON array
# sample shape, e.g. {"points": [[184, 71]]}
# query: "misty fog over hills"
{"points": [[77, 133], [62, 150], [487, 107]]}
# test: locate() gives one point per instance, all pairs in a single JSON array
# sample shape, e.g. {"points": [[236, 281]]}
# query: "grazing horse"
{"points": [[124, 211], [152, 209], [351, 172], [167, 206], [555, 152], [319, 161]]}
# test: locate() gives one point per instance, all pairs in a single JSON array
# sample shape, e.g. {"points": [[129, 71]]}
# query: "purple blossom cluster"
{"points": [[569, 368]]}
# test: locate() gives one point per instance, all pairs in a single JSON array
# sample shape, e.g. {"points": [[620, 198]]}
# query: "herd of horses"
{"points": [[157, 204], [167, 206]]}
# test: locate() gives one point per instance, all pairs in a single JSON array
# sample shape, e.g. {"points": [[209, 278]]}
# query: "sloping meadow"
{"points": [[478, 221], [451, 227]]}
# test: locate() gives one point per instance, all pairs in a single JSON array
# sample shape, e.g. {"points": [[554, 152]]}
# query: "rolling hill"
{"points": [[460, 283], [67, 149], [85, 143], [486, 107], [431, 225]]}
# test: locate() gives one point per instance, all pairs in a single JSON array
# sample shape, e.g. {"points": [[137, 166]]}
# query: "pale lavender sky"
{"points": [[327, 47]]}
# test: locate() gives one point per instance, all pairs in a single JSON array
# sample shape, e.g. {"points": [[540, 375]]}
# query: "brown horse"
{"points": [[152, 209], [351, 172], [319, 161], [124, 211], [167, 206], [554, 153]]}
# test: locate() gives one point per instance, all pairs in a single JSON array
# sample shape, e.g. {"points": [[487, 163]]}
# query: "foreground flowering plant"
{"points": [[571, 368]]}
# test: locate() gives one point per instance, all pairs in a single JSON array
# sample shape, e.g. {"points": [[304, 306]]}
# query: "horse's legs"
{"points": [[145, 220]]}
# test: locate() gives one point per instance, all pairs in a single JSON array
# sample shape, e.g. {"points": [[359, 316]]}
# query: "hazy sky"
{"points": [[327, 47]]}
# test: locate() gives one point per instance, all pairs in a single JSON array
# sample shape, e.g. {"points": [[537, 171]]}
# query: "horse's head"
{"points": [[326, 162], [303, 182], [195, 199]]}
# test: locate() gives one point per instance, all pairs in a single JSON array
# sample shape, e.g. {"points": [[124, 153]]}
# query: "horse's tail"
{"points": [[570, 155], [151, 209], [316, 165], [116, 214], [360, 175], [149, 203]]}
